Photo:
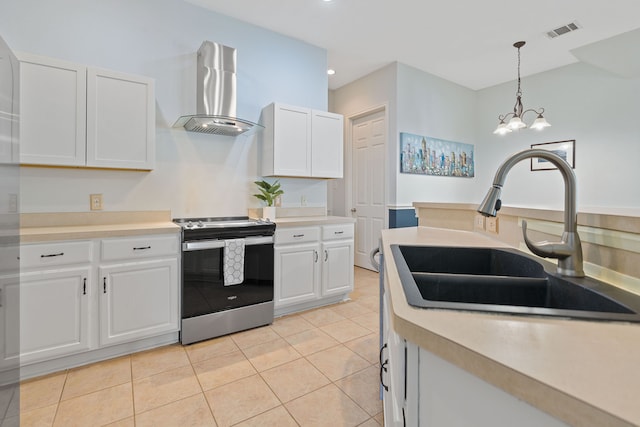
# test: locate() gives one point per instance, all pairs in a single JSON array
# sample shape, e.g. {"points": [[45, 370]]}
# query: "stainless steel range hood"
{"points": [[216, 94]]}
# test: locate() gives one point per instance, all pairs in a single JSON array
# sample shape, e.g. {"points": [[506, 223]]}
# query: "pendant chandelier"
{"points": [[515, 118]]}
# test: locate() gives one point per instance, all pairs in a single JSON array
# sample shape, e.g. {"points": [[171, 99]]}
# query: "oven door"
{"points": [[203, 289]]}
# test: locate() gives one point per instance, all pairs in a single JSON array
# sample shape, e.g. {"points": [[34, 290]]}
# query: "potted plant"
{"points": [[268, 194]]}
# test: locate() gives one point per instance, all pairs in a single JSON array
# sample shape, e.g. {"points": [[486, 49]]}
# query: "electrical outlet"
{"points": [[95, 202], [13, 203], [492, 224], [478, 222]]}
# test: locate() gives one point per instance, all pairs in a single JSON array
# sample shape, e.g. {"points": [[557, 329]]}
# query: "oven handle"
{"points": [[217, 244]]}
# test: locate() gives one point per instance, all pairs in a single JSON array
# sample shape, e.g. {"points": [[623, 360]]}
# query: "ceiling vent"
{"points": [[565, 29]]}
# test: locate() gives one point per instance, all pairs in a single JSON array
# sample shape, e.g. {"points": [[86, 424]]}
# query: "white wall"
{"points": [[196, 174], [359, 97], [596, 108], [431, 106]]}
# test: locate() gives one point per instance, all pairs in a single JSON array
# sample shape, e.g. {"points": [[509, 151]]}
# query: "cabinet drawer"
{"points": [[338, 231], [54, 254], [296, 235], [138, 247]]}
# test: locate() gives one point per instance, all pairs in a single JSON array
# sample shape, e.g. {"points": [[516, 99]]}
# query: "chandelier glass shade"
{"points": [[514, 120]]}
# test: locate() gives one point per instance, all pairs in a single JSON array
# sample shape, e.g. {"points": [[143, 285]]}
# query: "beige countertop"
{"points": [[584, 373], [46, 227], [312, 220]]}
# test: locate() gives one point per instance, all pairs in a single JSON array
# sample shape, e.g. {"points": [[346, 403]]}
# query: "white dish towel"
{"points": [[233, 261]]}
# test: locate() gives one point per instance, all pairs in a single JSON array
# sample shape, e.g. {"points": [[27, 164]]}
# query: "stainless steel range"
{"points": [[227, 276]]}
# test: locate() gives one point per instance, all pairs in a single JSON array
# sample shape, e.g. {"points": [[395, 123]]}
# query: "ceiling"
{"points": [[468, 42]]}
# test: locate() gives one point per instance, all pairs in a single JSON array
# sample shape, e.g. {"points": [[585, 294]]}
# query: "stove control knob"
{"points": [[189, 225], [200, 224]]}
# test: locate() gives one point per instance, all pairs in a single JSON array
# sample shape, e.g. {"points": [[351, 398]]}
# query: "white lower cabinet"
{"points": [[52, 308], [337, 259], [138, 300], [313, 266], [78, 297], [444, 387], [398, 363], [296, 273], [138, 287]]}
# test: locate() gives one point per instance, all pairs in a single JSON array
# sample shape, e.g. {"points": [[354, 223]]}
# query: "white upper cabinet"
{"points": [[120, 120], [53, 101], [301, 142], [327, 145], [8, 107], [74, 115]]}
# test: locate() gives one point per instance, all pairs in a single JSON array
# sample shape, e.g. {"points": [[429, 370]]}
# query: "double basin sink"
{"points": [[505, 281]]}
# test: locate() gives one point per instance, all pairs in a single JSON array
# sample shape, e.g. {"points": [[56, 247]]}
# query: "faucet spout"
{"points": [[569, 250]]}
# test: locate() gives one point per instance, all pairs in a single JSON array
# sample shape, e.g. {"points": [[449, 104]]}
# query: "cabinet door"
{"points": [[52, 309], [327, 148], [296, 274], [394, 372], [9, 79], [337, 267], [138, 300], [120, 120], [52, 111], [292, 141]]}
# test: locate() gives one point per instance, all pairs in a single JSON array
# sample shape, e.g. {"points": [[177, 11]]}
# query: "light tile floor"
{"points": [[314, 368]]}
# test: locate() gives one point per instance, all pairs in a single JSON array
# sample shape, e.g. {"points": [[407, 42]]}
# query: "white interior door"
{"points": [[368, 136]]}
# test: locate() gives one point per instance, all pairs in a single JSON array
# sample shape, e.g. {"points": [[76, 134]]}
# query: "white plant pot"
{"points": [[269, 212]]}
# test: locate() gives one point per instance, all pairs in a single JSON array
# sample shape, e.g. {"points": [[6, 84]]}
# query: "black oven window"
{"points": [[203, 288]]}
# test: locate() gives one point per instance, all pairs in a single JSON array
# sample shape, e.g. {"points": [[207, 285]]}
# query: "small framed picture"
{"points": [[564, 149]]}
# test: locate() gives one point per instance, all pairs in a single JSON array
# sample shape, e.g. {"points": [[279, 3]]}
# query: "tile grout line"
{"points": [[133, 397], [66, 377], [202, 391]]}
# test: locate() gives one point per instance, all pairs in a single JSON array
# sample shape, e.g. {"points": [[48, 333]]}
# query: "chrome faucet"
{"points": [[568, 251]]}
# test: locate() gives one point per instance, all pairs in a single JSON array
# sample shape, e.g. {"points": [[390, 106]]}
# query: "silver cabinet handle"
{"points": [[298, 235], [338, 232], [141, 248], [315, 255], [353, 209], [326, 255], [104, 285]]}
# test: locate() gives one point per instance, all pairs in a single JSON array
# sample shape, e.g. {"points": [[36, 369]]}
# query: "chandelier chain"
{"points": [[519, 92]]}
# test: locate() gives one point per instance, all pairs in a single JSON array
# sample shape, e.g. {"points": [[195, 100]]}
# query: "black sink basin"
{"points": [[505, 281]]}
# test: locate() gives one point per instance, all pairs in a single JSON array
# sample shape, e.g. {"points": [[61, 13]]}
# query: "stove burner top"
{"points": [[224, 227], [222, 222]]}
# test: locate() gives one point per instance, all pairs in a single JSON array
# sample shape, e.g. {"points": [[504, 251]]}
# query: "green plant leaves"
{"points": [[268, 192]]}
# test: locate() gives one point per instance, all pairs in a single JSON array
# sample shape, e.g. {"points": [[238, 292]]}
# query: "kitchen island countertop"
{"points": [[581, 372]]}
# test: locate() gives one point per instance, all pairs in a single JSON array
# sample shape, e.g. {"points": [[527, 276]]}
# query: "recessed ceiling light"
{"points": [[331, 71]]}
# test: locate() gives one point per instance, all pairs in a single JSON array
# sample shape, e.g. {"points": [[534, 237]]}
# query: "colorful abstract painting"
{"points": [[423, 155]]}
